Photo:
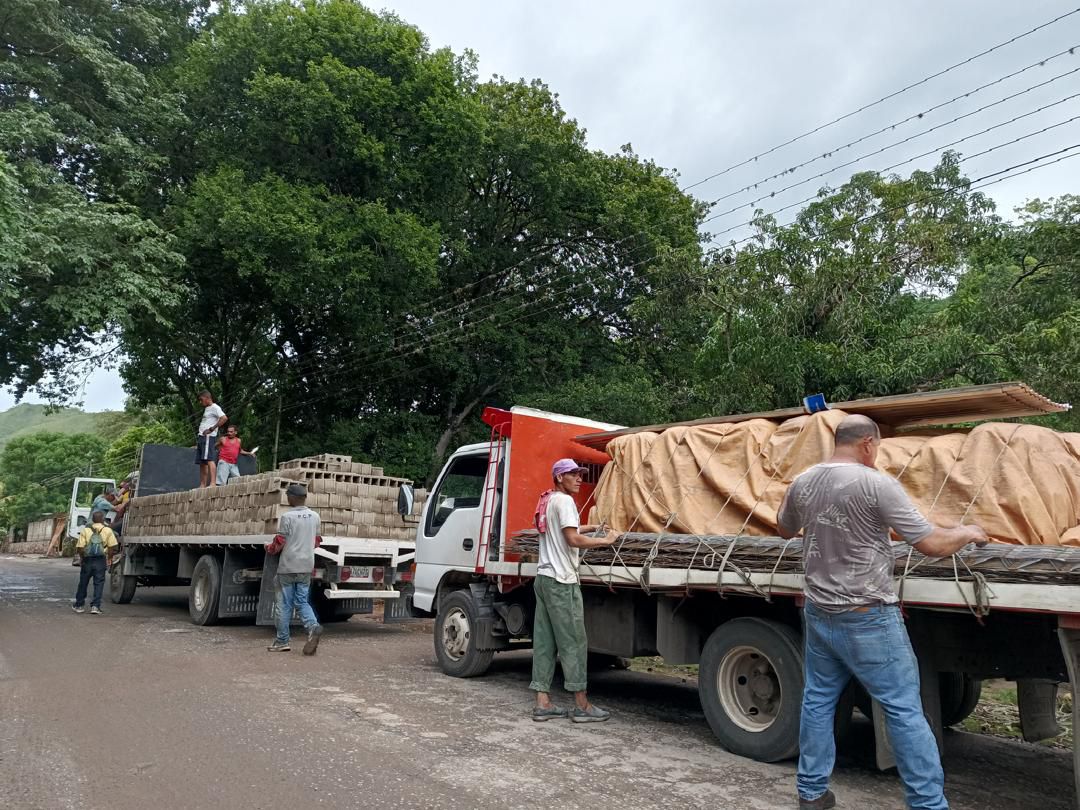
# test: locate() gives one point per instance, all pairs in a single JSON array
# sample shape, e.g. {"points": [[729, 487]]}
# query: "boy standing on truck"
{"points": [[559, 623], [853, 626], [297, 538], [95, 548], [205, 442], [229, 451]]}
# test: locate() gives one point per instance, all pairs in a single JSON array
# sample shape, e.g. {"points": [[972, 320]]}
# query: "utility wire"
{"points": [[439, 330], [883, 99], [964, 188]]}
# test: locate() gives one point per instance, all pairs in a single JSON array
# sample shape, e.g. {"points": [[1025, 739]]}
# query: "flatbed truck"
{"points": [[748, 649]]}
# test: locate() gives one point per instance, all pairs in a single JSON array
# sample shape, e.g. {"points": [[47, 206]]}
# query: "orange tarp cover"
{"points": [[1020, 482]]}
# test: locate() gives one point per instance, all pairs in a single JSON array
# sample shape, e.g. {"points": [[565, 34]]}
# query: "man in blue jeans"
{"points": [[297, 538], [845, 509]]}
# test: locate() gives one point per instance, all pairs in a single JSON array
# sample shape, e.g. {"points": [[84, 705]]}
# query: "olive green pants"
{"points": [[559, 629]]}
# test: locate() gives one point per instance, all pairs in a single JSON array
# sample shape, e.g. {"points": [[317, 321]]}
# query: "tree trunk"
{"points": [[455, 419]]}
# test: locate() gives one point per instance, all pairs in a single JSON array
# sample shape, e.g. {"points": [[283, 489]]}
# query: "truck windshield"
{"points": [[461, 488]]}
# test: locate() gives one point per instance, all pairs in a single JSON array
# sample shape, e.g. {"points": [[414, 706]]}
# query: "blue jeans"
{"points": [[872, 646], [293, 590], [91, 567]]}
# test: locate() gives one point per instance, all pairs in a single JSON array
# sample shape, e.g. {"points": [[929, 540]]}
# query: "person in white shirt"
{"points": [[206, 441], [559, 623]]}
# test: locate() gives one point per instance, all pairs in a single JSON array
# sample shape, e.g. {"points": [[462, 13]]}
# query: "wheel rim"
{"points": [[114, 580], [749, 689], [201, 596], [456, 634]]}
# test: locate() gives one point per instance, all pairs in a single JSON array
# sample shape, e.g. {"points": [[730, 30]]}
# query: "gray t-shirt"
{"points": [[845, 511], [299, 526]]}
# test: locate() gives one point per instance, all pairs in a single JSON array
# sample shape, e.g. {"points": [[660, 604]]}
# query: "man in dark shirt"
{"points": [[845, 509]]}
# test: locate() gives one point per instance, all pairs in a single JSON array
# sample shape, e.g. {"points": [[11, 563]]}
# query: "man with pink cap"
{"points": [[559, 624]]}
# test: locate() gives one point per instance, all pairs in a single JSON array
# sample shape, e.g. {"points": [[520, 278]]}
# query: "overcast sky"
{"points": [[700, 86]]}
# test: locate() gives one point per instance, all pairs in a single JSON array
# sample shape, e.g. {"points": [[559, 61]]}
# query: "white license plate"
{"points": [[360, 572]]}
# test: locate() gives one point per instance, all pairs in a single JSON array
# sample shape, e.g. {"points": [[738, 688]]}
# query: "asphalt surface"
{"points": [[138, 708]]}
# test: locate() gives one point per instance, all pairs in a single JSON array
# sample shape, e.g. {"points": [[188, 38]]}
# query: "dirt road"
{"points": [[140, 709]]}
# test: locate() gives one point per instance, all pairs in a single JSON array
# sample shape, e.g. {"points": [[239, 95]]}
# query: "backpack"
{"points": [[95, 547]]}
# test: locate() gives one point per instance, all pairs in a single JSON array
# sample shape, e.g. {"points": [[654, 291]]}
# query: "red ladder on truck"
{"points": [[500, 428]]}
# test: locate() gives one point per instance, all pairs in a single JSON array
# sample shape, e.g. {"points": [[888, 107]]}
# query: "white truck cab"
{"points": [[83, 492]]}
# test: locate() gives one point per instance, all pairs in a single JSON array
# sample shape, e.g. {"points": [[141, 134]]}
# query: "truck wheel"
{"points": [[455, 637], [960, 695], [121, 586], [750, 682], [205, 590]]}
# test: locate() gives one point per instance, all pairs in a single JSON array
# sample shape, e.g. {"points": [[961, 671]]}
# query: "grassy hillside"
{"points": [[25, 418]]}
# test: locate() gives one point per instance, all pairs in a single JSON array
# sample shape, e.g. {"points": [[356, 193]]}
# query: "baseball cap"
{"points": [[297, 491], [565, 465]]}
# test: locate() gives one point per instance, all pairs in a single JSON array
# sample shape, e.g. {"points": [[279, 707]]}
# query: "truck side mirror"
{"points": [[406, 500]]}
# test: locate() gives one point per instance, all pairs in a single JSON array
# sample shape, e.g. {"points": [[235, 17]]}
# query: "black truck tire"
{"points": [[750, 682], [455, 637], [121, 586], [205, 590], [960, 695]]}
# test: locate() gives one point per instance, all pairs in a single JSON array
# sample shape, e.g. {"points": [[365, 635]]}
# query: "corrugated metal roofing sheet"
{"points": [[973, 403]]}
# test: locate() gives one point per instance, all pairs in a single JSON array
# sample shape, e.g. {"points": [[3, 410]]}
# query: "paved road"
{"points": [[140, 709]]}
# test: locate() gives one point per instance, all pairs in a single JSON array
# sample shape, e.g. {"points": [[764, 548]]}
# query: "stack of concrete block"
{"points": [[352, 499]]}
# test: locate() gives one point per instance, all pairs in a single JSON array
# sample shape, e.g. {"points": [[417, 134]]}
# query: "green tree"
{"points": [[372, 233], [1016, 309], [78, 106], [37, 471], [847, 299], [122, 455]]}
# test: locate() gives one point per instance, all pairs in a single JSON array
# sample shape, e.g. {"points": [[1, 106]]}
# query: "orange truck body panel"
{"points": [[536, 443]]}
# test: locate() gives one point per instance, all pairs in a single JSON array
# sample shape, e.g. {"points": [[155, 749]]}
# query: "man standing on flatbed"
{"points": [[229, 450], [297, 538], [853, 626], [559, 624], [206, 442]]}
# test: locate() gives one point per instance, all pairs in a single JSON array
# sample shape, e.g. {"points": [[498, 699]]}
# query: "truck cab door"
{"points": [[449, 534], [83, 492]]}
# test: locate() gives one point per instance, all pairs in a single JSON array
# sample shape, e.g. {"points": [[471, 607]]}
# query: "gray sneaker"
{"points": [[550, 713], [95, 611], [278, 647], [593, 714], [78, 608], [313, 635]]}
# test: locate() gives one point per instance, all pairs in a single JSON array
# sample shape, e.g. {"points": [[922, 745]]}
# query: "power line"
{"points": [[883, 99], [1040, 63], [376, 358], [908, 139], [927, 153], [815, 196], [450, 311], [963, 188]]}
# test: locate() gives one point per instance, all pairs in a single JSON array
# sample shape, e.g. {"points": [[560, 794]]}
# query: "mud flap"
{"points": [[400, 609], [1037, 698], [266, 615]]}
